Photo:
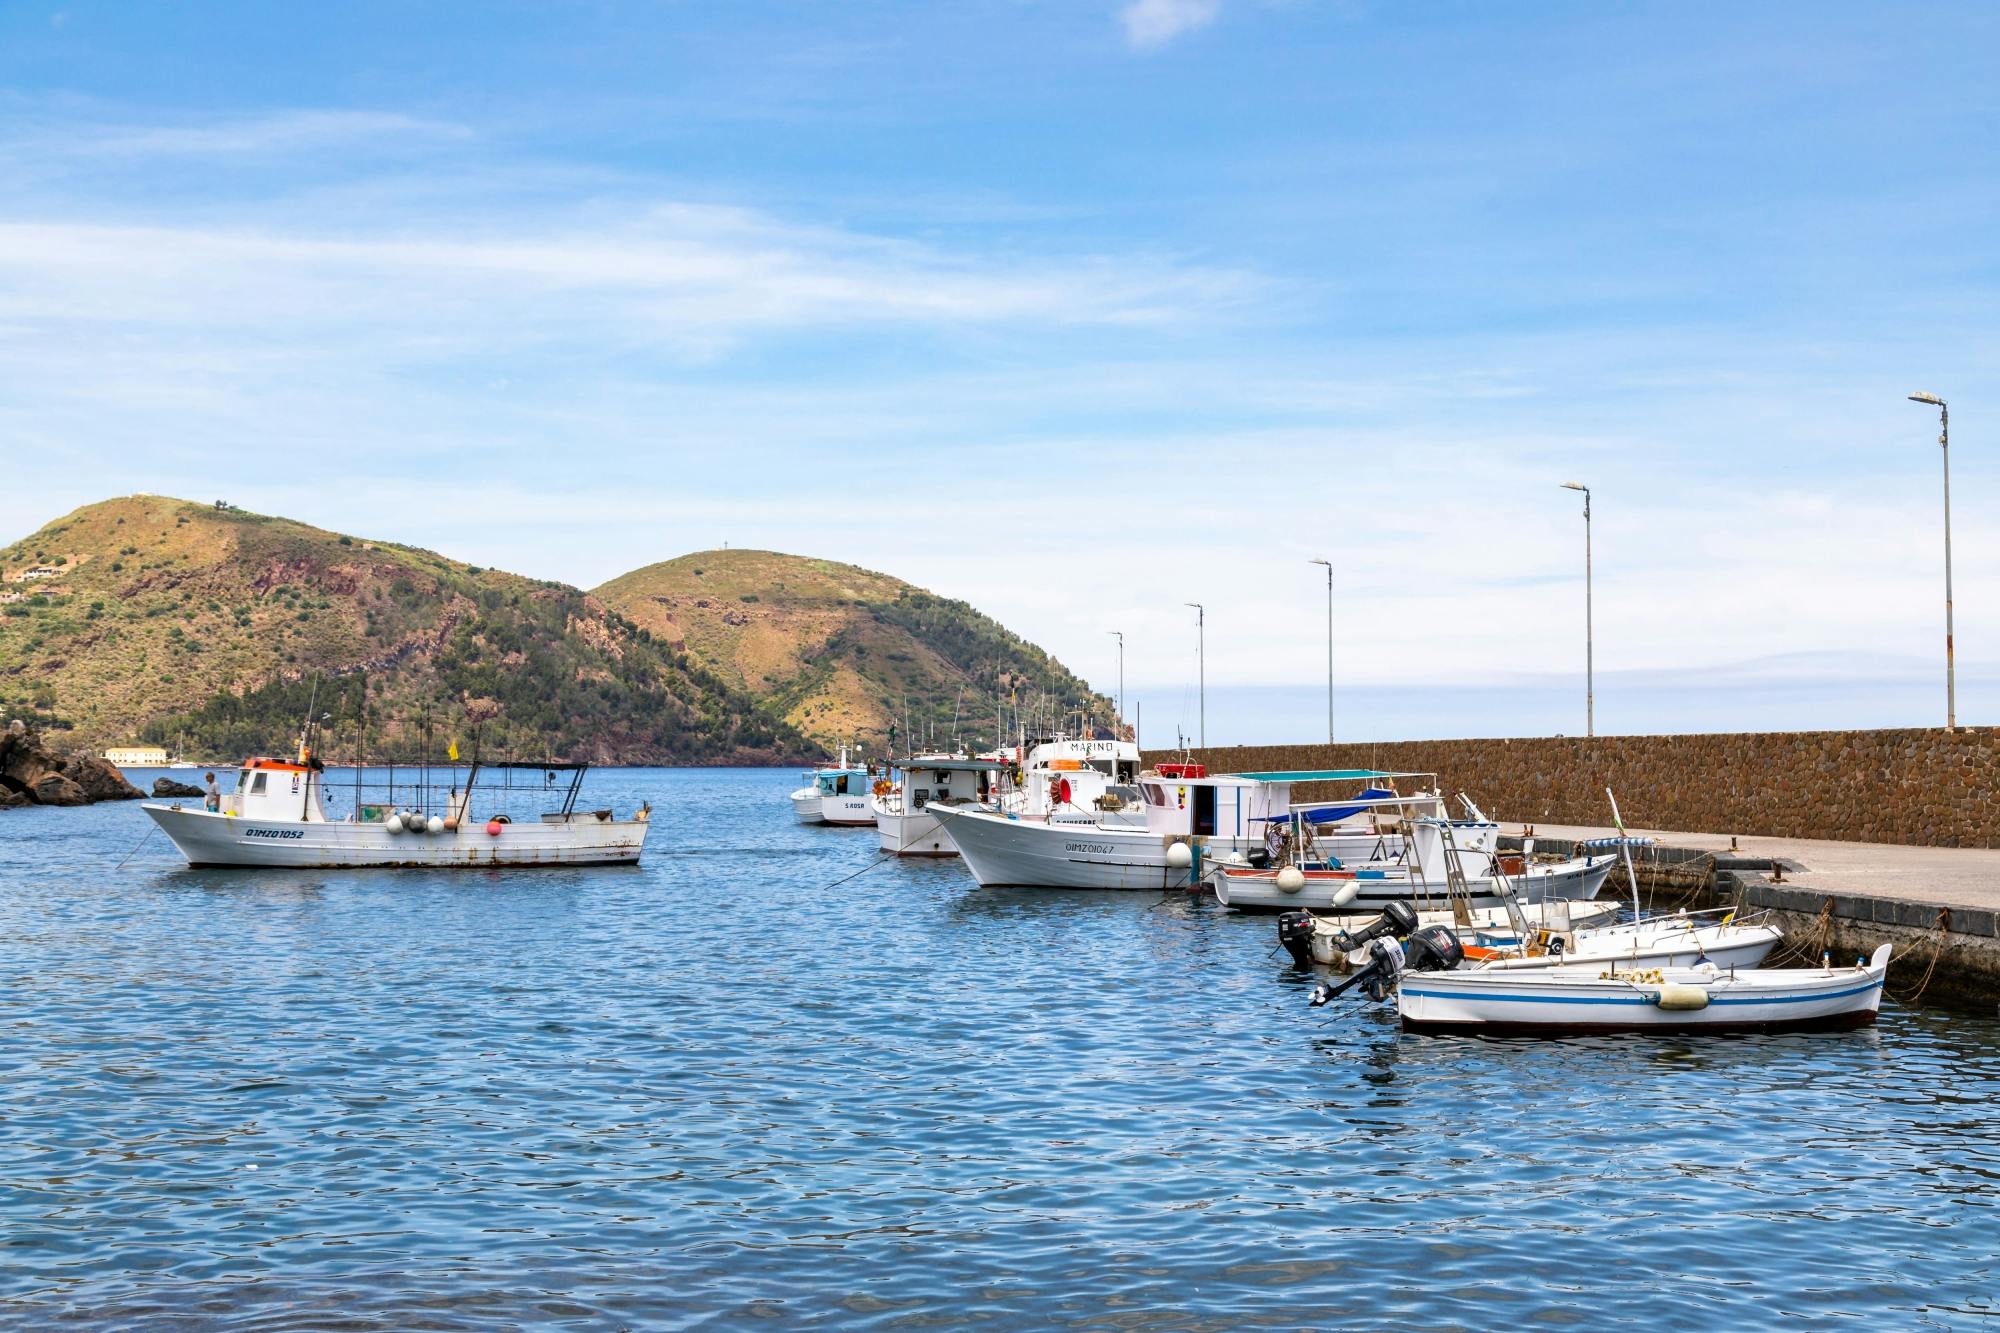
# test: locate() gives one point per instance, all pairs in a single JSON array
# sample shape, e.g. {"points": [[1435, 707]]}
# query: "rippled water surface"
{"points": [[719, 1090]]}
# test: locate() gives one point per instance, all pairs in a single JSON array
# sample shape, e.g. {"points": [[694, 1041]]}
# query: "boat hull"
{"points": [[214, 839], [811, 807], [912, 833], [1579, 1001], [1258, 891]]}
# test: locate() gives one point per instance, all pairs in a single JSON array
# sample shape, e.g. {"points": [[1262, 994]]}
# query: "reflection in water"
{"points": [[722, 1086]]}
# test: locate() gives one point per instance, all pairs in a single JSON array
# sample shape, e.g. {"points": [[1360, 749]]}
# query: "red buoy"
{"points": [[492, 828]]}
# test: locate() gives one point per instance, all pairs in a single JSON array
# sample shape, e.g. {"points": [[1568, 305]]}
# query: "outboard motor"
{"points": [[1295, 932], [1432, 949], [1397, 919], [1257, 858]]}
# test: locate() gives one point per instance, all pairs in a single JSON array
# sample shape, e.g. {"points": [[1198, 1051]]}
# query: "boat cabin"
{"points": [[1184, 800], [838, 781], [1072, 775], [953, 780], [276, 789]]}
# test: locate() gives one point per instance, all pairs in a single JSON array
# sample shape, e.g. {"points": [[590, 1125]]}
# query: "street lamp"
{"points": [[1201, 664], [1120, 636], [1950, 668], [1589, 629], [1329, 645]]}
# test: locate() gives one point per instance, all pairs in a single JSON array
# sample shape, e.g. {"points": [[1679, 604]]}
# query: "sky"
{"points": [[1080, 310]]}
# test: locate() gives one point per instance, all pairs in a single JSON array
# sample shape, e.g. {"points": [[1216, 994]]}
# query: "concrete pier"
{"points": [[1940, 906]]}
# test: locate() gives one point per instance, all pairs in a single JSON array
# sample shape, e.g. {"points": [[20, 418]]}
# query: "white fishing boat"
{"points": [[277, 816], [1576, 999], [836, 795], [1185, 818], [1426, 966], [1680, 940], [905, 804], [1441, 860], [1327, 941]]}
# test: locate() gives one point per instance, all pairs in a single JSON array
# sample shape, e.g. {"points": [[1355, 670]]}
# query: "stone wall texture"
{"points": [[1921, 786]]}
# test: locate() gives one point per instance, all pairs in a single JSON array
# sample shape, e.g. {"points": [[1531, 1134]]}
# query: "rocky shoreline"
{"points": [[32, 774]]}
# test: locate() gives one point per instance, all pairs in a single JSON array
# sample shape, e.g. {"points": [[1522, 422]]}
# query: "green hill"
{"points": [[841, 653], [148, 618]]}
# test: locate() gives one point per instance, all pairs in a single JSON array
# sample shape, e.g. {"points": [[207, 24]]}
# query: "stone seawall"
{"points": [[1917, 786]]}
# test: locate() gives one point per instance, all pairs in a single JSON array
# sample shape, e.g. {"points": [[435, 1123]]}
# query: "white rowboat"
{"points": [[1583, 999]]}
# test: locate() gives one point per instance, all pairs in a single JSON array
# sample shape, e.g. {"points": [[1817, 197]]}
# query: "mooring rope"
{"points": [[1938, 934], [1822, 938]]}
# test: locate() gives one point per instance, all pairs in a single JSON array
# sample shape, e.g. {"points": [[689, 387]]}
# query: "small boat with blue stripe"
{"points": [[1589, 999]]}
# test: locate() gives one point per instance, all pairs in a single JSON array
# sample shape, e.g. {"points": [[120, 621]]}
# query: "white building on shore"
{"points": [[137, 756]]}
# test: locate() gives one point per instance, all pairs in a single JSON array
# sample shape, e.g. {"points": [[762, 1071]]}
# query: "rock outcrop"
{"points": [[168, 787], [30, 774]]}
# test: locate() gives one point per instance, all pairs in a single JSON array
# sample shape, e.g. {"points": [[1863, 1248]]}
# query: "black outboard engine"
{"points": [[1295, 932], [1257, 858], [1397, 919], [1432, 949]]}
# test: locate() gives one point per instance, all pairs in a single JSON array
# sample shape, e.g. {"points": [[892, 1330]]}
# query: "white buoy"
{"points": [[1291, 879], [1346, 893], [1236, 859], [1180, 856], [436, 824], [394, 823]]}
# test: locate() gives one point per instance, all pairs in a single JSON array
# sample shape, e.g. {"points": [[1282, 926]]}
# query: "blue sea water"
{"points": [[723, 1089]]}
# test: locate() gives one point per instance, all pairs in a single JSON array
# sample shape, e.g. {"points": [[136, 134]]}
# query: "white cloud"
{"points": [[285, 132], [1153, 23]]}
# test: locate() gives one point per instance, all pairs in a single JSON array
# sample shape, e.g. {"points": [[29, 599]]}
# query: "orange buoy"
{"points": [[492, 828]]}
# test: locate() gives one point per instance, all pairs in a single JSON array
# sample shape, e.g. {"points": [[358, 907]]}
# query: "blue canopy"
{"points": [[1333, 814]]}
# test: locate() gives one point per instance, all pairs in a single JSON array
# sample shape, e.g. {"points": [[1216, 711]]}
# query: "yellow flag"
{"points": [[452, 753]]}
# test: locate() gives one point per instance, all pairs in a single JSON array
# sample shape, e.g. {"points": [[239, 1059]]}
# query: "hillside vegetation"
{"points": [[157, 619], [842, 653]]}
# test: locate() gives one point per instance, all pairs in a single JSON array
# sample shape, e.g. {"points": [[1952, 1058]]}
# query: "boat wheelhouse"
{"points": [[836, 795], [904, 803]]}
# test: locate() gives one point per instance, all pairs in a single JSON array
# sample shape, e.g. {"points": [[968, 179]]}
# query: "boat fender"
{"points": [[435, 824], [1346, 893], [1672, 995], [492, 828], [394, 823], [1291, 879], [1180, 856]]}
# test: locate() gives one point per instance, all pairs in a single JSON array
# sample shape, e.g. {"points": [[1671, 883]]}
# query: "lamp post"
{"points": [[1329, 646], [1120, 636], [1201, 664], [1589, 629], [1950, 668]]}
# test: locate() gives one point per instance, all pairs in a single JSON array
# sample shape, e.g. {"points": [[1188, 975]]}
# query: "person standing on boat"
{"points": [[213, 798]]}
